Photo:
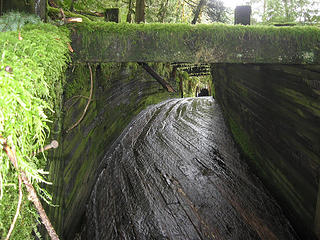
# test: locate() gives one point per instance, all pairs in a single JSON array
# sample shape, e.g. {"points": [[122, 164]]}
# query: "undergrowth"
{"points": [[13, 21], [31, 66]]}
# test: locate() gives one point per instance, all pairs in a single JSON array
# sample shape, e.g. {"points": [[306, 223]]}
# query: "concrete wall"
{"points": [[120, 92], [274, 114]]}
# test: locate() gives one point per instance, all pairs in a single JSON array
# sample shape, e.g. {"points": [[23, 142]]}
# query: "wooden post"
{"points": [[112, 15], [242, 15]]}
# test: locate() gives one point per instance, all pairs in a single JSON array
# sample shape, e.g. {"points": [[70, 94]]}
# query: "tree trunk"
{"points": [[198, 11], [129, 19], [173, 74], [163, 11], [140, 11], [181, 87], [264, 7]]}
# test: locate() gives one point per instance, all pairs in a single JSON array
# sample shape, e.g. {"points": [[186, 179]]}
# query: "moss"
{"points": [[197, 43], [54, 14], [242, 138], [155, 98], [30, 92], [302, 100]]}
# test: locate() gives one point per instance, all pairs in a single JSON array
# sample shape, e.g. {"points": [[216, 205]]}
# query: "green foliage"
{"points": [[13, 21], [54, 14], [169, 11], [29, 93], [216, 11], [305, 11], [192, 83]]}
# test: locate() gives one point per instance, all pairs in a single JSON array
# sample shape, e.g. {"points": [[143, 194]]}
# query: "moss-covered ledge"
{"points": [[214, 43]]}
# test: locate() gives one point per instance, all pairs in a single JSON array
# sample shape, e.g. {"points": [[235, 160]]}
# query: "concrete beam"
{"points": [[111, 42]]}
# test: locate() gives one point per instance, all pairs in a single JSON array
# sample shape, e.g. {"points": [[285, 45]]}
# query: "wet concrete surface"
{"points": [[175, 173]]}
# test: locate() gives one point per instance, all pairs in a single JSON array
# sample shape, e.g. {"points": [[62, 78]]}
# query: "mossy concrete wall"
{"points": [[120, 92], [215, 43], [274, 114]]}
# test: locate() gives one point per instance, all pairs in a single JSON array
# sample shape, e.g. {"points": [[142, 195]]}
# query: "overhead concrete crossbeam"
{"points": [[216, 43]]}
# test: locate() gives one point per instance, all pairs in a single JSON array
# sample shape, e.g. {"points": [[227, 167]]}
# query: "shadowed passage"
{"points": [[175, 173]]}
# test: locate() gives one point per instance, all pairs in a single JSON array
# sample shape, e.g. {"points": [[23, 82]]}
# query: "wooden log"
{"points": [[156, 76], [73, 20]]}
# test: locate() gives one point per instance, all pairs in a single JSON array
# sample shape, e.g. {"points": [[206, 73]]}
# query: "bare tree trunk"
{"points": [[264, 7], [129, 19], [163, 11], [181, 86], [173, 74], [140, 11], [198, 11]]}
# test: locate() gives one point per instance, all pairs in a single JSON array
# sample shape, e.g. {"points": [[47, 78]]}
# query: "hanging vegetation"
{"points": [[33, 59]]}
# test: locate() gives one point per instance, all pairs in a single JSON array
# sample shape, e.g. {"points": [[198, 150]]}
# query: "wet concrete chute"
{"points": [[175, 173], [161, 130]]}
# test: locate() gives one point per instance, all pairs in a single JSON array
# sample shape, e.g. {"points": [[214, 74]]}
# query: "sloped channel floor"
{"points": [[175, 174]]}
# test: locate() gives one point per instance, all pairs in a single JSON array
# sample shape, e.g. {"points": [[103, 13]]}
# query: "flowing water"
{"points": [[175, 174]]}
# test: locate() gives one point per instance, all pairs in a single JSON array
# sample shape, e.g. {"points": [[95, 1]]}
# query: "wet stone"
{"points": [[175, 174]]}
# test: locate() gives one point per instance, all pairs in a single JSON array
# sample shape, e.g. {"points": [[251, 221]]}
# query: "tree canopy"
{"points": [[184, 11], [304, 11]]}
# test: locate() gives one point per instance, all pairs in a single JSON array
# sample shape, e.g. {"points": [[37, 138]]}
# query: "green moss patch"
{"points": [[123, 42], [31, 67], [242, 138]]}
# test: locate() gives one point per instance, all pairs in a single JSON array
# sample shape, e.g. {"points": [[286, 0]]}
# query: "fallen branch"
{"points": [[79, 96], [17, 211], [73, 20], [32, 192], [156, 76], [70, 19], [76, 96], [88, 103], [63, 15], [53, 144]]}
